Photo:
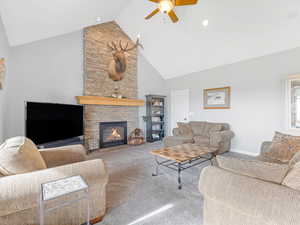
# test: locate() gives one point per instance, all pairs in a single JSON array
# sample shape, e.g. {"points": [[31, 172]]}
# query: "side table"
{"points": [[62, 187]]}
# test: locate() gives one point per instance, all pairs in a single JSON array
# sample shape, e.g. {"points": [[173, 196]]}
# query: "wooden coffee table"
{"points": [[182, 157]]}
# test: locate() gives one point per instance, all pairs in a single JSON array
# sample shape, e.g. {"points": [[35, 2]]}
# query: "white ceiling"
{"points": [[237, 30], [31, 20]]}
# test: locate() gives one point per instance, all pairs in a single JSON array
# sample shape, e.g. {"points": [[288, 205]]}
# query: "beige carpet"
{"points": [[134, 197]]}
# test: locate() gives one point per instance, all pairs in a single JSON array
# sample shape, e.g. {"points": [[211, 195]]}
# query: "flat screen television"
{"points": [[48, 122]]}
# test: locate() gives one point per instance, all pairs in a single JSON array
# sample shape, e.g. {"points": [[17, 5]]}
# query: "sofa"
{"points": [[202, 133], [255, 191], [20, 192]]}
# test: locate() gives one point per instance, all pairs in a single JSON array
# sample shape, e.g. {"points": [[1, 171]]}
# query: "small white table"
{"points": [[62, 187]]}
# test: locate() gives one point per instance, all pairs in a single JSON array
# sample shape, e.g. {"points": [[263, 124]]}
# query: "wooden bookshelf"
{"points": [[155, 117]]}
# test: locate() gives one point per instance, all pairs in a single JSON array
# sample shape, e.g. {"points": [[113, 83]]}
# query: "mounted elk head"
{"points": [[117, 67]]}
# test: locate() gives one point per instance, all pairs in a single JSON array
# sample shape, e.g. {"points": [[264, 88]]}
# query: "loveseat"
{"points": [[205, 134], [255, 191], [19, 193]]}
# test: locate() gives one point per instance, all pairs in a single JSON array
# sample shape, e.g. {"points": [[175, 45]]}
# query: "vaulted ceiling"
{"points": [[30, 20], [237, 30]]}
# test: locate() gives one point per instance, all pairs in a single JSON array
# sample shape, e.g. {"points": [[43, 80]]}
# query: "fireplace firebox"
{"points": [[113, 134]]}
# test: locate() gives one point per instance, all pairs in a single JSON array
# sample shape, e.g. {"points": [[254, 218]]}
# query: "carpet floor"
{"points": [[134, 197]]}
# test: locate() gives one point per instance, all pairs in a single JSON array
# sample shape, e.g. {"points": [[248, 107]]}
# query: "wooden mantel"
{"points": [[95, 100]]}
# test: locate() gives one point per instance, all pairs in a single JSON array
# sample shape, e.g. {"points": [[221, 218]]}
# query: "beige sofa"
{"points": [[202, 133], [262, 198], [19, 194]]}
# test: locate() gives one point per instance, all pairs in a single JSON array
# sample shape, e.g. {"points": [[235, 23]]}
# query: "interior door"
{"points": [[180, 107]]}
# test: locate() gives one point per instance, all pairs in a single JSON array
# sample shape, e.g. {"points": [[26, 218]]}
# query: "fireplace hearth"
{"points": [[112, 134]]}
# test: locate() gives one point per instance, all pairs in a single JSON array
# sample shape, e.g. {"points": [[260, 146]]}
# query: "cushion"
{"points": [[211, 127], [20, 155], [267, 159], [198, 127], [292, 179], [253, 168], [176, 140], [202, 141], [283, 147], [185, 129]]}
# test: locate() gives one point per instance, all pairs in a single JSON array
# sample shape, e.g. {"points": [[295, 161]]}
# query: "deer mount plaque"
{"points": [[118, 65]]}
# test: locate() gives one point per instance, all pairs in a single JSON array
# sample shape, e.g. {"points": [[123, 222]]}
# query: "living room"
{"points": [[185, 116]]}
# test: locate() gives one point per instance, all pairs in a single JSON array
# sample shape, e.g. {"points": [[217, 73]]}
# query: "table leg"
{"points": [[41, 209], [213, 156], [179, 176], [88, 206], [156, 168]]}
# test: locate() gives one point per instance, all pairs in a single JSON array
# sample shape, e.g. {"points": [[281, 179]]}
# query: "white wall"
{"points": [[258, 96], [4, 53], [149, 82], [45, 71], [52, 71]]}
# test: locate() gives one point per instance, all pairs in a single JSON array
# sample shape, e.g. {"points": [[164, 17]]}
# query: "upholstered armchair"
{"points": [[251, 191], [19, 193]]}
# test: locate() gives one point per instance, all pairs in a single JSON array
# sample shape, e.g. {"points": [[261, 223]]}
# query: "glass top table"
{"points": [[62, 187]]}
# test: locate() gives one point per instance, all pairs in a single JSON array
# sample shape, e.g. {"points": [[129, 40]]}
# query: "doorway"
{"points": [[180, 107]]}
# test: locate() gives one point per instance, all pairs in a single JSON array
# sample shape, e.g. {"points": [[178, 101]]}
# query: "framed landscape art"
{"points": [[2, 72], [217, 98]]}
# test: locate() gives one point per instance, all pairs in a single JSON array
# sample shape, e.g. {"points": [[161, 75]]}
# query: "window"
{"points": [[294, 103]]}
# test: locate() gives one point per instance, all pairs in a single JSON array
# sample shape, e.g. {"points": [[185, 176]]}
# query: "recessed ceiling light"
{"points": [[98, 19], [205, 23]]}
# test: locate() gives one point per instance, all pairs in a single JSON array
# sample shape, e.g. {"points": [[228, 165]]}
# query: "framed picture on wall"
{"points": [[217, 98], [2, 72]]}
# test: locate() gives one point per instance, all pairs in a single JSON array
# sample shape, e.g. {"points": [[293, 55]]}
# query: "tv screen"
{"points": [[47, 122]]}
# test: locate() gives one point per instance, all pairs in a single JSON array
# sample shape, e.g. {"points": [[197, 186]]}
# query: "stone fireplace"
{"points": [[112, 134], [97, 82]]}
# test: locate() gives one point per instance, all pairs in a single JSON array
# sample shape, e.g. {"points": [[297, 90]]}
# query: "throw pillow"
{"points": [[253, 168], [283, 147], [20, 155], [292, 179], [278, 136], [185, 129]]}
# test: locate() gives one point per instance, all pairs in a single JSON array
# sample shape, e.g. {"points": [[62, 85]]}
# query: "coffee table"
{"points": [[182, 157]]}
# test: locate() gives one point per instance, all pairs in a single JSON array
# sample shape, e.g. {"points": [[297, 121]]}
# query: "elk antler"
{"points": [[112, 46], [121, 46], [137, 44]]}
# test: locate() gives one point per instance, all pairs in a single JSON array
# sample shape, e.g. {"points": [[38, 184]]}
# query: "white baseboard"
{"points": [[244, 152]]}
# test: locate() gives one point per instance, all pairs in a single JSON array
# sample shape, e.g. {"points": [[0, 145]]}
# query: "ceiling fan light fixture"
{"points": [[166, 6], [205, 23]]}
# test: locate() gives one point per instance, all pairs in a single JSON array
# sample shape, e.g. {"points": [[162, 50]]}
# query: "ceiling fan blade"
{"points": [[156, 1], [173, 16], [185, 2], [152, 14]]}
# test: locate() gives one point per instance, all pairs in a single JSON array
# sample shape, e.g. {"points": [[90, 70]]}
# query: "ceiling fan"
{"points": [[167, 7]]}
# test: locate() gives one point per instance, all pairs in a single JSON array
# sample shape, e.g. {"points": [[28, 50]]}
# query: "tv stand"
{"points": [[66, 142]]}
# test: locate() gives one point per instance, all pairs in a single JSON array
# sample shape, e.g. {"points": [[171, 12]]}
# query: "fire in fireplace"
{"points": [[113, 134]]}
